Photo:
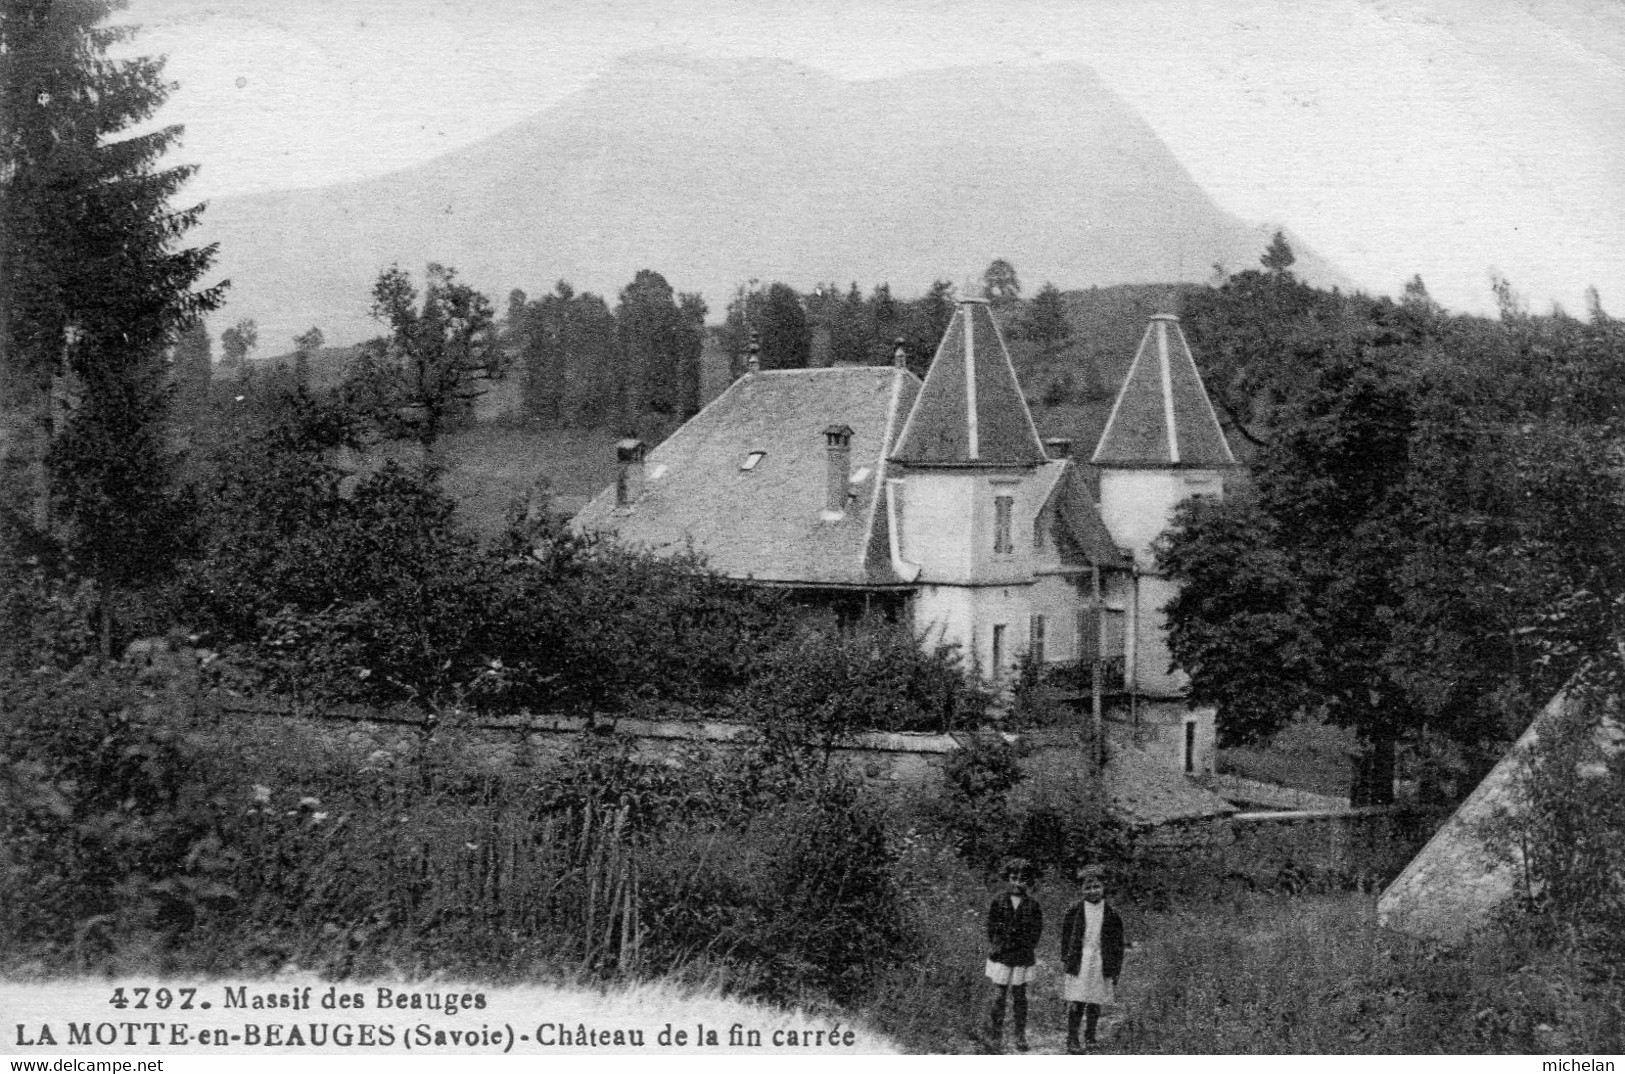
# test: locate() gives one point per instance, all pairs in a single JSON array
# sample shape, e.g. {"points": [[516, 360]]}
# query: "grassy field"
{"points": [[1257, 972], [494, 466]]}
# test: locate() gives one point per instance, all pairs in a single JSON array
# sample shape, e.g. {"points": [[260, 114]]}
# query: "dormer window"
{"points": [[751, 460]]}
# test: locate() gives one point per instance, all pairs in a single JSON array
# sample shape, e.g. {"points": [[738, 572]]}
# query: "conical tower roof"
{"points": [[970, 411], [1163, 418]]}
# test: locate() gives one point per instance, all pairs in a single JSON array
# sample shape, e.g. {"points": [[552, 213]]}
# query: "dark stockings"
{"points": [[1018, 997], [1088, 1014]]}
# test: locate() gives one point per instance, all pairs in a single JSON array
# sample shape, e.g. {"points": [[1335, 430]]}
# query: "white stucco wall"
{"points": [[939, 524], [1151, 653], [966, 615], [948, 524], [1137, 505]]}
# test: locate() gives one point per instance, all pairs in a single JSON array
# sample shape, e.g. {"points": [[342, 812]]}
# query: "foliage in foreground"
{"points": [[136, 829], [1567, 835]]}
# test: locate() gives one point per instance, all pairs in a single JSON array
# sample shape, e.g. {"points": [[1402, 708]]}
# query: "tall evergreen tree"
{"points": [[647, 323], [786, 335], [690, 341], [94, 284]]}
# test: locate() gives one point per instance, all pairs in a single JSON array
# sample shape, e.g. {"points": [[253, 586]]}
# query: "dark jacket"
{"points": [[1111, 942], [1013, 931]]}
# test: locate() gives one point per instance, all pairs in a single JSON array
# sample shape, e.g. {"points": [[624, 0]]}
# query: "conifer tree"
{"points": [[94, 285], [1046, 317]]}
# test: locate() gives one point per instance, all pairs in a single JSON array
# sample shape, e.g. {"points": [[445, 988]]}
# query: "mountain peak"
{"points": [[714, 170]]}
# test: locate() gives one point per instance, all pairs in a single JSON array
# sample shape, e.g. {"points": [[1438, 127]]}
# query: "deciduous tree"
{"points": [[1000, 286], [440, 348]]}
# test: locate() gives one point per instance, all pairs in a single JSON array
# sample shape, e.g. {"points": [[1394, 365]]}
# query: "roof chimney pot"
{"points": [[838, 439], [753, 363], [629, 455]]}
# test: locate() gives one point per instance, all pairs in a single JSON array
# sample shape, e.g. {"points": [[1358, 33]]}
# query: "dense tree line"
{"points": [[1424, 551], [583, 363]]}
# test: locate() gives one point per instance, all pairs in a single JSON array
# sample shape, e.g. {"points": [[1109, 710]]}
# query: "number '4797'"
{"points": [[160, 998]]}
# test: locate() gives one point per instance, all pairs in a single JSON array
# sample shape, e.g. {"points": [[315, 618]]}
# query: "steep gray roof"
{"points": [[1080, 531], [768, 522], [971, 411], [1162, 418]]}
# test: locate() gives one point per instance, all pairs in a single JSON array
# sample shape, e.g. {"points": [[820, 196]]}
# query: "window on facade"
{"points": [[998, 650], [1039, 525], [1088, 634], [1035, 642], [1190, 745], [1003, 508]]}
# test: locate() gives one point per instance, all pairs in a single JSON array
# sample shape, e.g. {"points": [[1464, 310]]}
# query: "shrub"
{"points": [[835, 918], [975, 807], [1571, 827], [114, 818], [825, 681]]}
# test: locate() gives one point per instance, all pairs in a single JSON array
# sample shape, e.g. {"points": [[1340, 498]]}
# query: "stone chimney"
{"points": [[753, 362], [838, 440], [1058, 447], [899, 354], [629, 455]]}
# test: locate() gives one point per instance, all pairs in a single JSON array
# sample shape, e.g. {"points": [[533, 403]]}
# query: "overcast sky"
{"points": [[1447, 137]]}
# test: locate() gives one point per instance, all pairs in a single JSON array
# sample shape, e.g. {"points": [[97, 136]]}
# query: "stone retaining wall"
{"points": [[891, 761], [1337, 848], [1262, 847]]}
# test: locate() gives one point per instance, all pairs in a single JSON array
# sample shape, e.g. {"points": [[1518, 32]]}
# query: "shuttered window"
{"points": [[1003, 508]]}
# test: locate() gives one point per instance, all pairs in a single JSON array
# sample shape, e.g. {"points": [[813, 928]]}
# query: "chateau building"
{"points": [[938, 503]]}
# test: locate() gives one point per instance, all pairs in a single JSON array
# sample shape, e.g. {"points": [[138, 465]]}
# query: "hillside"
{"points": [[504, 459], [715, 172]]}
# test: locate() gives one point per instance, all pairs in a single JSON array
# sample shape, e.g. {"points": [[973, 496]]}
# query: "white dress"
{"points": [[1090, 984]]}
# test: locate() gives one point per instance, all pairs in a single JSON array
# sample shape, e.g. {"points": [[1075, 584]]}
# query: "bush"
{"points": [[975, 807], [1571, 829], [835, 917], [825, 681], [114, 818]]}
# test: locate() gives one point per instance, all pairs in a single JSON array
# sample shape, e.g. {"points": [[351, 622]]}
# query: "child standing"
{"points": [[1092, 955], [1014, 925]]}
